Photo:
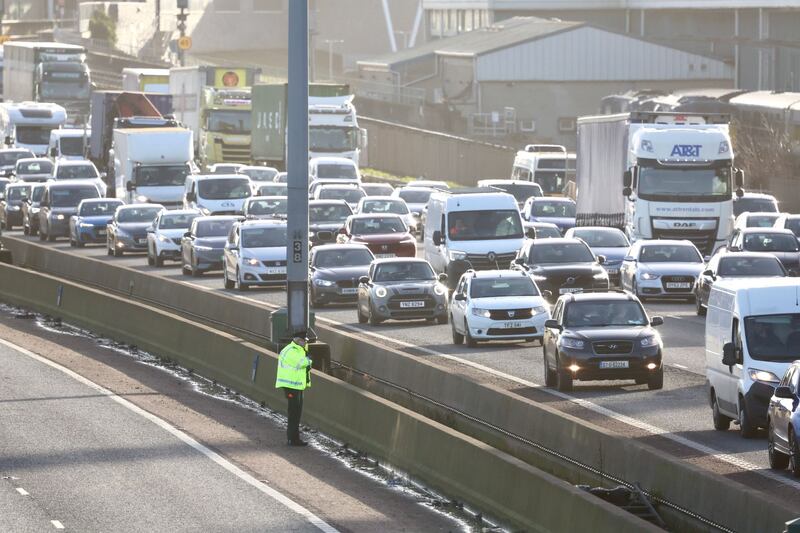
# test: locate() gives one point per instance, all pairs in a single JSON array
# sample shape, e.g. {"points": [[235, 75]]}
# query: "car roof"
{"points": [[602, 295], [551, 199], [376, 184], [262, 222], [33, 159], [257, 167], [540, 224], [18, 184], [494, 274], [753, 255], [416, 188], [670, 242], [328, 201], [382, 199], [747, 214], [124, 207], [379, 215], [340, 185], [331, 159], [224, 218], [14, 150], [73, 162], [181, 211], [202, 177], [595, 228], [558, 240], [771, 229], [759, 195], [325, 247], [272, 197], [400, 260], [99, 200], [66, 184]]}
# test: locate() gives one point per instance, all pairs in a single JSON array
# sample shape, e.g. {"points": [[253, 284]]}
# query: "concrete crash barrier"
{"points": [[712, 496], [459, 466]]}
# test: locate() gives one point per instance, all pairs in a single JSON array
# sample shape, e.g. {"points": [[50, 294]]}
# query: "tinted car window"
{"points": [[750, 266], [569, 252], [546, 232], [761, 221], [263, 237], [214, 228], [342, 258], [224, 189], [770, 242], [176, 221], [604, 313], [73, 172], [793, 224], [669, 253], [602, 238], [17, 193], [335, 171], [376, 226], [320, 214], [138, 214], [754, 205], [71, 197], [392, 207], [496, 288], [484, 225], [415, 197], [350, 196], [773, 337], [553, 209], [260, 174], [96, 209], [405, 271], [35, 167], [272, 206]]}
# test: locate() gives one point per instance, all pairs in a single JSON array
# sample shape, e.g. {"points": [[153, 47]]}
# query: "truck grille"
{"points": [[612, 347], [509, 314], [482, 262], [704, 240], [236, 153]]}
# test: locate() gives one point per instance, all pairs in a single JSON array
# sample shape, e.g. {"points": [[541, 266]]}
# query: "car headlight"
{"points": [[647, 342], [60, 217], [326, 283], [203, 248], [143, 199], [13, 208], [205, 211], [483, 313], [569, 342], [649, 276], [380, 292], [538, 278], [455, 255], [439, 289], [601, 275], [538, 310], [250, 261], [84, 225], [164, 238], [34, 210], [763, 376]]}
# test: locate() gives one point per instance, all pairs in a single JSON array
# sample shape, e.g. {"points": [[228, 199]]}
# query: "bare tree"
{"points": [[763, 152]]}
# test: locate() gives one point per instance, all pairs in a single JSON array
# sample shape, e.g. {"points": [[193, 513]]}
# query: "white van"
{"points": [[68, 143], [752, 336], [549, 165], [217, 194], [330, 167], [471, 229]]}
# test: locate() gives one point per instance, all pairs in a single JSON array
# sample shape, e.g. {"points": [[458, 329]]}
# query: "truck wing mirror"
{"points": [[627, 191], [627, 179], [130, 186], [530, 233], [437, 238], [738, 177], [728, 354], [739, 192]]}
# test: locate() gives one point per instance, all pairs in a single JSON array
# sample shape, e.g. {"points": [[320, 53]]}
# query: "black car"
{"points": [[325, 219], [562, 266], [30, 209], [11, 205], [602, 336], [334, 272], [734, 265], [779, 242]]}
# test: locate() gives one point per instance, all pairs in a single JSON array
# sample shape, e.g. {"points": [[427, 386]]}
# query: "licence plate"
{"points": [[384, 256], [676, 285], [101, 232], [613, 364], [612, 270], [349, 290], [276, 270], [567, 290], [510, 325], [141, 241], [412, 304]]}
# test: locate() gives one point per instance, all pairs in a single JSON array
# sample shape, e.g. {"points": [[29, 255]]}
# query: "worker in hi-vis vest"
{"points": [[294, 376]]}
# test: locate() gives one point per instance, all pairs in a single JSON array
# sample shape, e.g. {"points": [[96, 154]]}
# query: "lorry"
{"points": [[119, 109], [332, 123], [151, 164], [28, 124], [214, 102], [658, 175], [146, 80], [48, 72]]}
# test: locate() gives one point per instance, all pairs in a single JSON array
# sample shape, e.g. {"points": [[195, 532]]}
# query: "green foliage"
{"points": [[101, 26]]}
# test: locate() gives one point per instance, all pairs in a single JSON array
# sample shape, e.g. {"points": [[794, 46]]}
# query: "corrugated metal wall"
{"points": [[591, 54]]}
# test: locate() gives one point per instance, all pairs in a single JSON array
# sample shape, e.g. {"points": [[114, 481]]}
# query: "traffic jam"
{"points": [[562, 255]]}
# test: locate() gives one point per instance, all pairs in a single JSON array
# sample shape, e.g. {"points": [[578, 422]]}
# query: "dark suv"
{"points": [[602, 336]]}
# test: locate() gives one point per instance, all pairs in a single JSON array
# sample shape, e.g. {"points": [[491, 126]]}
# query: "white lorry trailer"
{"points": [[151, 164], [658, 175]]}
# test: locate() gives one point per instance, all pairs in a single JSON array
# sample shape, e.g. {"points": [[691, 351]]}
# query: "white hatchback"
{"points": [[497, 305]]}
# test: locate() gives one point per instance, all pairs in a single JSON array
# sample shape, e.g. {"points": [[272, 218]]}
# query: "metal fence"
{"points": [[408, 151]]}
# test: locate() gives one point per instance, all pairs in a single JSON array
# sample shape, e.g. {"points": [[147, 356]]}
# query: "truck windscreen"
{"points": [[72, 145], [229, 122], [33, 134], [331, 139], [65, 85], [688, 184], [161, 176]]}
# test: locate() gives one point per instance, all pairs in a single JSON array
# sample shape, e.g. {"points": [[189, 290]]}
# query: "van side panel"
{"points": [[721, 306], [433, 222]]}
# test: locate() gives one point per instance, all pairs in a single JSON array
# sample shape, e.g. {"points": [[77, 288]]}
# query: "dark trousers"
{"points": [[295, 398]]}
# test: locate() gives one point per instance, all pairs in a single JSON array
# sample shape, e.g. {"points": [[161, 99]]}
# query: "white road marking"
{"points": [[22, 491], [163, 424], [57, 524], [678, 365]]}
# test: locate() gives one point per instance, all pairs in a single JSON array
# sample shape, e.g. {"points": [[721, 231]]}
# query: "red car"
{"points": [[384, 235]]}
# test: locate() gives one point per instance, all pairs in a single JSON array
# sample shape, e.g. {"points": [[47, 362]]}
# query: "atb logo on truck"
{"points": [[686, 150]]}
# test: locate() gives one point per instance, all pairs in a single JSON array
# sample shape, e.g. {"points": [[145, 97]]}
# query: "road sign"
{"points": [[185, 42]]}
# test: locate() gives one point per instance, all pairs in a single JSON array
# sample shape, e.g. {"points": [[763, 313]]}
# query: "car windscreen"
{"points": [[229, 121], [414, 197], [342, 258], [264, 237], [137, 214], [669, 253], [260, 174], [377, 189], [500, 287], [351, 196], [761, 221], [770, 242], [36, 195], [392, 207], [10, 157], [335, 171], [562, 252], [16, 194], [224, 189], [74, 172], [267, 206], [750, 266], [377, 226], [71, 196], [773, 337], [97, 209], [599, 313], [35, 167], [754, 205], [602, 238], [177, 221], [214, 228], [484, 225], [553, 209], [546, 232], [273, 190], [322, 214], [403, 271]]}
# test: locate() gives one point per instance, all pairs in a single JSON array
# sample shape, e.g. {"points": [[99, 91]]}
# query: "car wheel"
{"points": [[362, 319], [471, 342], [25, 230], [240, 285], [563, 378], [701, 311], [33, 231], [150, 260], [159, 261], [71, 243], [794, 458], [549, 375], [656, 381], [185, 269], [227, 282], [79, 244], [374, 320], [116, 251], [746, 428], [777, 460], [193, 268], [9, 227], [42, 236], [458, 338], [442, 319], [721, 422]]}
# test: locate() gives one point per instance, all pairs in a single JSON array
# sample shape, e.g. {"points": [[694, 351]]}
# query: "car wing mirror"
{"points": [[188, 235], [708, 273], [442, 277], [553, 324], [784, 393], [601, 259], [630, 258], [547, 294], [364, 280], [728, 354], [656, 321], [460, 297]]}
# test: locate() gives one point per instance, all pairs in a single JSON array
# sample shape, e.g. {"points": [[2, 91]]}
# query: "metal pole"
{"points": [[297, 167]]}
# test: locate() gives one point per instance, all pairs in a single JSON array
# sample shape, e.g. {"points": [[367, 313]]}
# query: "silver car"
{"points": [[402, 289], [661, 269]]}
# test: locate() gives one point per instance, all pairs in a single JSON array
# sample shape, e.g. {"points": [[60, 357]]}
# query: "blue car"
{"points": [[88, 226], [783, 418], [558, 211], [611, 243]]}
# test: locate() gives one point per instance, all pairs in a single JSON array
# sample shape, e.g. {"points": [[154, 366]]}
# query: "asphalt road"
{"points": [[679, 412], [72, 456]]}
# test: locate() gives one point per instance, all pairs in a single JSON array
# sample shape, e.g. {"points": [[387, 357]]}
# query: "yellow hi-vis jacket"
{"points": [[293, 365]]}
